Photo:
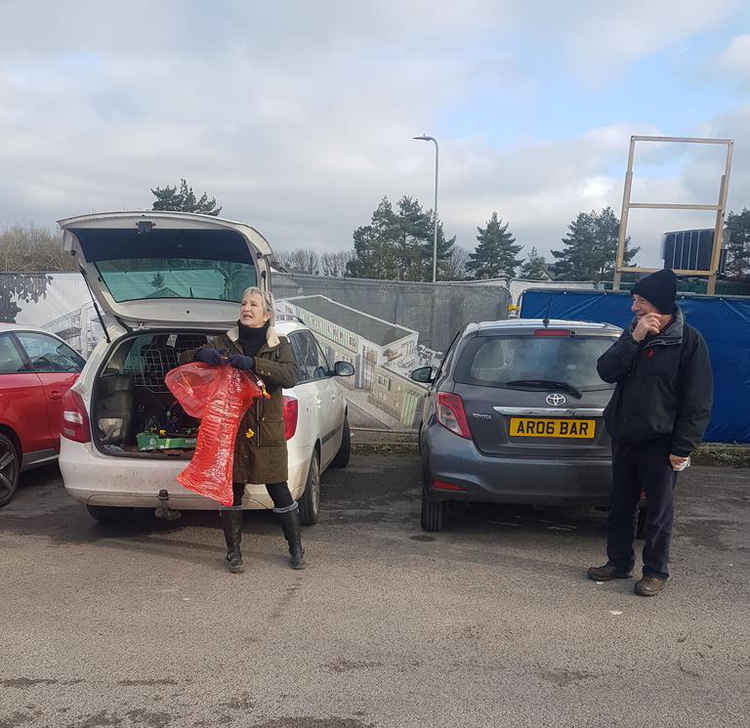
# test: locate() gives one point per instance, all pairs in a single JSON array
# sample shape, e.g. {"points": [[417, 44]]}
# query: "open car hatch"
{"points": [[168, 268]]}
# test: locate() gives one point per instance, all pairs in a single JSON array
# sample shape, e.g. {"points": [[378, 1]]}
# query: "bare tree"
{"points": [[302, 260], [454, 268], [334, 264], [33, 249]]}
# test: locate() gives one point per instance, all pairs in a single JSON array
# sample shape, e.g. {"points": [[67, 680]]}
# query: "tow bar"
{"points": [[163, 510]]}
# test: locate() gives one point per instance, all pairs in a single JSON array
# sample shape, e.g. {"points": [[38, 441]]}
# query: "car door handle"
{"points": [[55, 394]]}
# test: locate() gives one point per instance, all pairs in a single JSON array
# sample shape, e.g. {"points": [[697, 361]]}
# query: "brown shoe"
{"points": [[649, 586], [607, 573]]}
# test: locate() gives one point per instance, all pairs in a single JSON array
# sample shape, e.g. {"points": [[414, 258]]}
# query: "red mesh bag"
{"points": [[220, 396]]}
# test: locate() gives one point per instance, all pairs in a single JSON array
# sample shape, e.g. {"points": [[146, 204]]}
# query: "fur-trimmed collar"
{"points": [[272, 338]]}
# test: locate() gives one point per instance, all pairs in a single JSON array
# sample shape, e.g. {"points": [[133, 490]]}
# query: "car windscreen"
{"points": [[511, 361]]}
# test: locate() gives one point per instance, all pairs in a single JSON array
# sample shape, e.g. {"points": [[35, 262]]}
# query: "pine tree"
{"points": [[168, 198], [496, 253], [590, 248], [398, 245], [534, 267], [374, 245], [737, 236]]}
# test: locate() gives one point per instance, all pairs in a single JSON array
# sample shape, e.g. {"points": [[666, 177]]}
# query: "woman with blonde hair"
{"points": [[260, 453]]}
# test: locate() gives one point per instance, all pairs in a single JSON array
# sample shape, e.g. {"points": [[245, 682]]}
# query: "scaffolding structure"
{"points": [[719, 208]]}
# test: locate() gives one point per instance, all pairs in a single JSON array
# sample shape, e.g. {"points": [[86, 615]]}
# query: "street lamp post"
{"points": [[426, 138]]}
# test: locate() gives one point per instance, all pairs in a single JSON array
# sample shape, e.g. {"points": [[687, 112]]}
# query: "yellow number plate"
{"points": [[572, 429]]}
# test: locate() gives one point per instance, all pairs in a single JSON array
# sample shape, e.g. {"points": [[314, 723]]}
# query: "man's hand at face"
{"points": [[649, 323]]}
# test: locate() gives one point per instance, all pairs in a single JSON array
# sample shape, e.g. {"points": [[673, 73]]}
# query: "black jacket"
{"points": [[664, 387]]}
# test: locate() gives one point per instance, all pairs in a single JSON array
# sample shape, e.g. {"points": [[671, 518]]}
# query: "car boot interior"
{"points": [[134, 413]]}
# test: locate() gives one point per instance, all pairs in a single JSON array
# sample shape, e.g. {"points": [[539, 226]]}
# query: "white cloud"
{"points": [[298, 116], [736, 58]]}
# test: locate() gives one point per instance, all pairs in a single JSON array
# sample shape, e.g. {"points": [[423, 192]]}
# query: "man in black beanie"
{"points": [[656, 417]]}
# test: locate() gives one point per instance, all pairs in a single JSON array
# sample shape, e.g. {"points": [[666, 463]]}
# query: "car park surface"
{"points": [[490, 623]]}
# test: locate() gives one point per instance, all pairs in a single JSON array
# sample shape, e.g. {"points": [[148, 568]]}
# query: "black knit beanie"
{"points": [[660, 289]]}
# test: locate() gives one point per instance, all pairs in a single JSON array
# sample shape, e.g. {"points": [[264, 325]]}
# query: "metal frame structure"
{"points": [[719, 207]]}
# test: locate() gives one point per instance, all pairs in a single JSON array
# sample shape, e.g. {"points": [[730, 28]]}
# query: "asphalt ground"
{"points": [[488, 623]]}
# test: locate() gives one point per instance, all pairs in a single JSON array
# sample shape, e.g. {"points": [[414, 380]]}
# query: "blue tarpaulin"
{"points": [[724, 322]]}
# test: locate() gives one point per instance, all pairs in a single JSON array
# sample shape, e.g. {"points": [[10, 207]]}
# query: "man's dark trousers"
{"points": [[635, 467]]}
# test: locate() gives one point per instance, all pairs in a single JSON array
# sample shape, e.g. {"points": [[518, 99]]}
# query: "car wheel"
{"points": [[107, 515], [342, 456], [433, 514], [9, 468], [309, 503]]}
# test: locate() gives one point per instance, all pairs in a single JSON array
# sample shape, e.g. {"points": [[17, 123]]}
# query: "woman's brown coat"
{"points": [[261, 458]]}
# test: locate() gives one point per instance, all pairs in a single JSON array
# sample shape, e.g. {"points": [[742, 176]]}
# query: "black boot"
{"points": [[290, 524], [231, 521]]}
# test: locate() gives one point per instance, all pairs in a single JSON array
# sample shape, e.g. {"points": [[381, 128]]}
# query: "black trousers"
{"points": [[279, 492], [636, 467]]}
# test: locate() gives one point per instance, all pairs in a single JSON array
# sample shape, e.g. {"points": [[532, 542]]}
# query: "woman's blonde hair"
{"points": [[267, 299]]}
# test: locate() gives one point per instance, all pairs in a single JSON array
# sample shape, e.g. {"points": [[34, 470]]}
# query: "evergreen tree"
{"points": [[374, 245], [534, 267], [737, 236], [398, 245], [496, 253], [168, 198], [590, 248]]}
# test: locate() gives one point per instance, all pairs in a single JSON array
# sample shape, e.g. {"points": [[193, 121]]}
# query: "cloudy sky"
{"points": [[298, 116]]}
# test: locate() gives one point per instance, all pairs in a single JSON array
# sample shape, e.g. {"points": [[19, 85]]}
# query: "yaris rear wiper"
{"points": [[544, 384]]}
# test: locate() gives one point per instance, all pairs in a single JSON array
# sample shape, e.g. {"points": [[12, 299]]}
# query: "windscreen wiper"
{"points": [[544, 384]]}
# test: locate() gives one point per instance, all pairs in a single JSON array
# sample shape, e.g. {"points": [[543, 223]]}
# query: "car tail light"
{"points": [[291, 411], [75, 424], [442, 485], [451, 414], [553, 332]]}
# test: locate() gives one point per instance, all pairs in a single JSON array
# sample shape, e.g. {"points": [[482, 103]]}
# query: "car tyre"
{"points": [[342, 456], [10, 463], [309, 503], [107, 515], [433, 514]]}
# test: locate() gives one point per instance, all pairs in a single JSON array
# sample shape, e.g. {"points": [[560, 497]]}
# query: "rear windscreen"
{"points": [[216, 280], [208, 264], [495, 361]]}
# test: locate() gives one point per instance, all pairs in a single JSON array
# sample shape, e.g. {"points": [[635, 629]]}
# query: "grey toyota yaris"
{"points": [[514, 414]]}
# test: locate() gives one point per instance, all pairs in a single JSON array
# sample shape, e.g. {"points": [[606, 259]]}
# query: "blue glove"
{"points": [[242, 362], [208, 356]]}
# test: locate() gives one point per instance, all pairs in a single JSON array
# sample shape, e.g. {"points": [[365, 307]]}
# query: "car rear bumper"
{"points": [[540, 480], [105, 480]]}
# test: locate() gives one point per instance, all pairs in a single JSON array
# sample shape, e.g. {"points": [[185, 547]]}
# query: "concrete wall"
{"points": [[436, 310]]}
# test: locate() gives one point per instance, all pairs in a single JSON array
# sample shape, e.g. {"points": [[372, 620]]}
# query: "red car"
{"points": [[36, 370]]}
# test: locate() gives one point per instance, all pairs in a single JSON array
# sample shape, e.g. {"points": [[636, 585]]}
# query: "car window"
{"points": [[322, 358], [445, 363], [311, 363], [10, 359], [493, 361], [48, 354]]}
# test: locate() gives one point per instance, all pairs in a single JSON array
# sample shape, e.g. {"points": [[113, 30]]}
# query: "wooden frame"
{"points": [[719, 207]]}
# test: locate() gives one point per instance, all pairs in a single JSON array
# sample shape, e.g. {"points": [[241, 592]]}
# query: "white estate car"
{"points": [[164, 281]]}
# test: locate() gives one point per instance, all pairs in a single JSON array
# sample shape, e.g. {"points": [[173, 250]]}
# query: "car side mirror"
{"points": [[423, 375], [343, 369]]}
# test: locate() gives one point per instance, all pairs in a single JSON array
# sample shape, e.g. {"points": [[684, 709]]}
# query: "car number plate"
{"points": [[536, 427]]}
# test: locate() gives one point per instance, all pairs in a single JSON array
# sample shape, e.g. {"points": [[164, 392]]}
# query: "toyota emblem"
{"points": [[556, 399]]}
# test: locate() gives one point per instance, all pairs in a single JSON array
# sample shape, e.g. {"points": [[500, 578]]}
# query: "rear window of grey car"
{"points": [[495, 361]]}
